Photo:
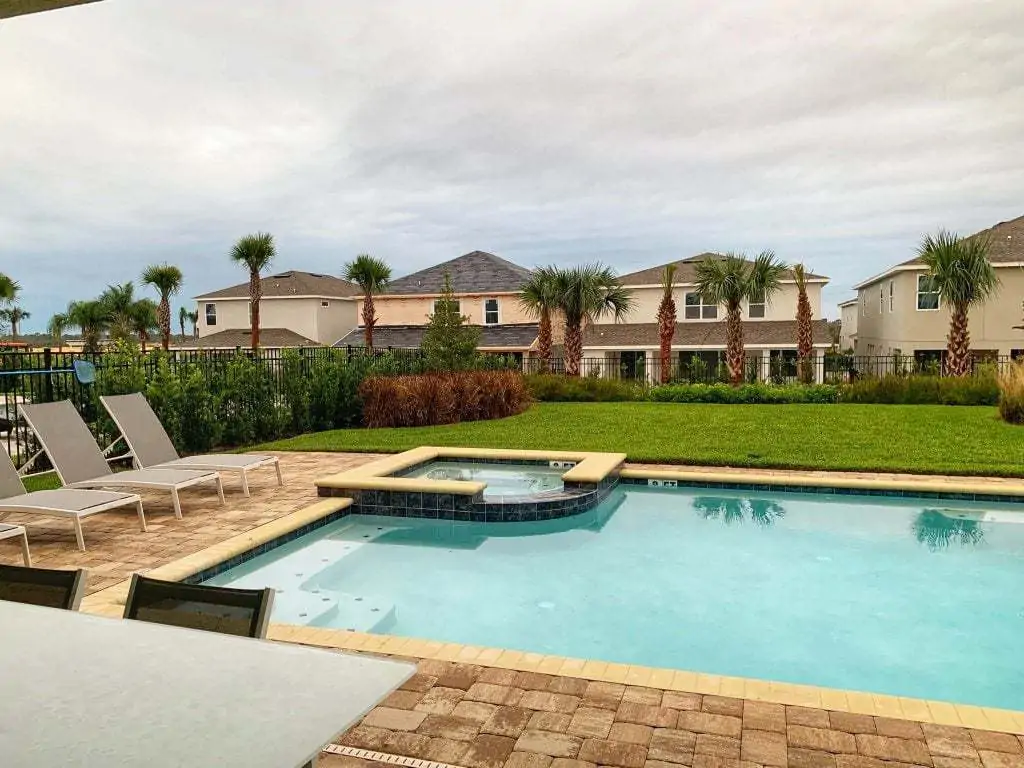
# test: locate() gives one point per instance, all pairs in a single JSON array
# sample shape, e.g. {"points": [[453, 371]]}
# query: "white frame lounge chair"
{"points": [[152, 448], [79, 462], [17, 532], [74, 503]]}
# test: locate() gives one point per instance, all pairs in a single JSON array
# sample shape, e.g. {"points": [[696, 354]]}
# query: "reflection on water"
{"points": [[937, 530], [762, 512]]}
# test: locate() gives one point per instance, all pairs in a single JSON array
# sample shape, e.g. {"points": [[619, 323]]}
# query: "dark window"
{"points": [[211, 314], [927, 292], [491, 312], [756, 307], [697, 309], [439, 302]]}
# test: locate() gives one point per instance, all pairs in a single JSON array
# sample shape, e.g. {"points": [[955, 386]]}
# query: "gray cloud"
{"points": [[633, 133]]}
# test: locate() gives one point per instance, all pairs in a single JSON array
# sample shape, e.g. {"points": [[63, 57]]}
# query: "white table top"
{"points": [[80, 690]]}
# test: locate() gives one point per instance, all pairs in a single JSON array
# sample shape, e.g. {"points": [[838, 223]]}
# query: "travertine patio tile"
{"points": [[488, 751], [764, 716], [449, 727], [613, 753], [898, 750], [647, 714], [639, 695], [820, 739], [394, 719], [591, 722], [549, 743], [995, 742], [812, 718], [809, 758], [603, 695], [557, 722], [528, 760], [550, 702], [440, 700], [851, 723], [1000, 759], [508, 721], [720, 746], [704, 722], [672, 746], [764, 747], [409, 744], [631, 733]]}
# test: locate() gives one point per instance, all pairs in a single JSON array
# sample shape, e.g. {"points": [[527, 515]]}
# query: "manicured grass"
{"points": [[907, 438], [42, 482]]}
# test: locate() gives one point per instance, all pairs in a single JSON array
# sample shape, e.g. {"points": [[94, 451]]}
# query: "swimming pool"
{"points": [[921, 598], [501, 479]]}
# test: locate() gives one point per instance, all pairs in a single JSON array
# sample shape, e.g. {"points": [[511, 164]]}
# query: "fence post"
{"points": [[48, 366]]}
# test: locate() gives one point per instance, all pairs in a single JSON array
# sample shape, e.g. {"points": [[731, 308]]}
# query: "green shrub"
{"points": [[201, 427], [248, 405], [166, 397], [980, 389], [1011, 394], [745, 393], [554, 388], [296, 391]]}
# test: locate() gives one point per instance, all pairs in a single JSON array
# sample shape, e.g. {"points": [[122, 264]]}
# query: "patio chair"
{"points": [[17, 532], [80, 464], [42, 586], [244, 612], [153, 449], [74, 503]]}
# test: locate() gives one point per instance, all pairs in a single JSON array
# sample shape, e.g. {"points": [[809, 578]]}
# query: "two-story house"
{"points": [[297, 309], [486, 288], [849, 311], [900, 312], [769, 327]]}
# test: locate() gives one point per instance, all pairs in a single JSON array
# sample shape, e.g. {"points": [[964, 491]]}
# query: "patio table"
{"points": [[80, 690]]}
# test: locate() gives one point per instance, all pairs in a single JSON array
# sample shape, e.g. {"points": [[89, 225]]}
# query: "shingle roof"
{"points": [[239, 337], [780, 333], [686, 271], [291, 283], [517, 336], [1006, 242], [476, 272]]}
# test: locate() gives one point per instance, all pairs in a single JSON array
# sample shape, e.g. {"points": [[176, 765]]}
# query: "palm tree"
{"points": [[729, 510], [372, 276], [182, 319], [539, 296], [193, 317], [14, 315], [938, 531], [57, 327], [731, 280], [667, 322], [167, 280], [118, 301], [586, 294], [144, 318], [959, 270], [8, 288], [255, 252], [92, 318], [804, 329]]}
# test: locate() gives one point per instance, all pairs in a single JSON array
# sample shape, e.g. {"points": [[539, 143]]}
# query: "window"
{"points": [[863, 306], [890, 295], [325, 304], [491, 312], [756, 307], [881, 300], [438, 303], [211, 314], [697, 309], [927, 293]]}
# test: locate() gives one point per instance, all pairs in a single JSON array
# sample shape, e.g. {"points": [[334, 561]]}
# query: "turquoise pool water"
{"points": [[907, 597], [501, 479]]}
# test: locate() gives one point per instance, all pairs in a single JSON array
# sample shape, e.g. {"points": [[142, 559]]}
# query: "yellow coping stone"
{"points": [[571, 667], [1003, 720], [457, 487], [448, 652], [832, 698], [550, 665], [708, 684], [733, 686], [594, 670], [861, 703], [683, 680], [944, 713], [595, 468], [757, 690], [971, 716], [488, 655], [395, 644], [616, 673], [638, 675], [508, 659], [887, 706], [796, 695], [430, 648], [468, 653], [915, 709], [661, 678]]}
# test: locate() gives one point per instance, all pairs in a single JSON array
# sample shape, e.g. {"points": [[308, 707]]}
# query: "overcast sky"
{"points": [[634, 133]]}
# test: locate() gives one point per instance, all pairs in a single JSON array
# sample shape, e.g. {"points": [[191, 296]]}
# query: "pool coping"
{"points": [[110, 602]]}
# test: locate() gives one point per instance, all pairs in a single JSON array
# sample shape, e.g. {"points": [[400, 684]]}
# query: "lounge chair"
{"points": [[76, 503], [80, 463], [17, 532], [153, 449], [244, 612], [42, 586]]}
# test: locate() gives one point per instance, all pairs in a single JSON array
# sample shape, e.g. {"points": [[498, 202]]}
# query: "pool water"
{"points": [[501, 479], [920, 598]]}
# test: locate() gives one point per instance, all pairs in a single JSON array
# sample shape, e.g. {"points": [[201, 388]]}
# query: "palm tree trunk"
{"points": [[804, 339], [142, 341], [958, 343], [666, 331], [254, 299], [573, 348], [735, 356], [368, 321], [544, 340], [164, 311], [182, 323]]}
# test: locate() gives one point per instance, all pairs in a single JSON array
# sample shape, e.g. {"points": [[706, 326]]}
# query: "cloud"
{"points": [[632, 133]]}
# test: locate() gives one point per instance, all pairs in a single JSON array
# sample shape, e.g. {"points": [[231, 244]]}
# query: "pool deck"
{"points": [[494, 708]]}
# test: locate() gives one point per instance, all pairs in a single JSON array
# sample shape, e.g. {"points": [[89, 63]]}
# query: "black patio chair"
{"points": [[42, 586]]}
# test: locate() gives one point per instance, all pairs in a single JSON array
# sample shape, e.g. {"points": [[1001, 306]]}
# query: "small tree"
{"points": [[449, 343], [539, 296], [804, 326], [182, 319], [372, 276], [14, 315], [167, 280], [255, 253], [667, 322], [193, 318], [57, 327]]}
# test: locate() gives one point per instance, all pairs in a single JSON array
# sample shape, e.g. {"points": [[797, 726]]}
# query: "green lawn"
{"points": [[910, 438]]}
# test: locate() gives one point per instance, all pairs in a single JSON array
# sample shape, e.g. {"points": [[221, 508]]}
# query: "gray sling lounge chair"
{"points": [[80, 463], [74, 503], [153, 449]]}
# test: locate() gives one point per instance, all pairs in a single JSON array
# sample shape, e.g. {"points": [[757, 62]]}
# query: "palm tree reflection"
{"points": [[761, 512], [937, 530]]}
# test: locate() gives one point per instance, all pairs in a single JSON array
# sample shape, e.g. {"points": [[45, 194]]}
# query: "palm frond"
{"points": [[765, 277], [166, 278], [959, 268], [668, 277], [255, 251], [371, 274]]}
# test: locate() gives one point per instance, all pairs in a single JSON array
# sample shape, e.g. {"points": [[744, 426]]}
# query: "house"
{"points": [[296, 309], [632, 345], [486, 288], [848, 312], [899, 312]]}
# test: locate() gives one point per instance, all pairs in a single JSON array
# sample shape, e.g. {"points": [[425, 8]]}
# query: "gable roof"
{"points": [[777, 333], [474, 272], [274, 338], [1006, 248], [513, 336], [686, 271], [291, 283]]}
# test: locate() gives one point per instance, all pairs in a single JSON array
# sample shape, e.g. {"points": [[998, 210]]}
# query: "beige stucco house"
{"points": [[769, 327], [849, 311], [297, 309], [900, 314]]}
